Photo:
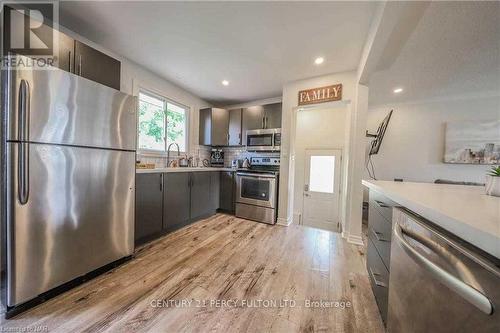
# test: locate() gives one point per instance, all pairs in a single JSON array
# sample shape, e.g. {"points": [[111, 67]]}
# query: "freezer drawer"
{"points": [[438, 284], [78, 214], [63, 108]]}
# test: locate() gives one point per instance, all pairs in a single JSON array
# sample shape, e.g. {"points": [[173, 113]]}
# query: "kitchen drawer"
{"points": [[379, 231], [382, 204], [379, 279]]}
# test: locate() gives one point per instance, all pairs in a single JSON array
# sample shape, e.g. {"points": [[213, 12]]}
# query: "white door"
{"points": [[322, 189]]}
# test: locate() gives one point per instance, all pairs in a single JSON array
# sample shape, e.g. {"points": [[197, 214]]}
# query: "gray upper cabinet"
{"points": [[235, 127], [253, 118], [214, 127], [272, 114], [259, 117], [80, 59], [149, 206], [176, 200], [220, 127], [96, 66], [66, 52]]}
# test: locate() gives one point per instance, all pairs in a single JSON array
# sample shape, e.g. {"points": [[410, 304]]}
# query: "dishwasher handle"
{"points": [[470, 294]]}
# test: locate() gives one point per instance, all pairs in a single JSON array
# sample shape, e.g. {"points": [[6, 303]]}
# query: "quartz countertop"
{"points": [[182, 169], [465, 211]]}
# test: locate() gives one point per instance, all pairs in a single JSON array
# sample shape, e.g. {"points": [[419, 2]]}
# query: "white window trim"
{"points": [[154, 93]]}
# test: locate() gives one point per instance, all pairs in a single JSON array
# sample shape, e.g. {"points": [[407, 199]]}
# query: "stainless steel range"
{"points": [[257, 190]]}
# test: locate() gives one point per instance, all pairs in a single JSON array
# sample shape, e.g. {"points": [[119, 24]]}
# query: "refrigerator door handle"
{"points": [[23, 111], [23, 136], [467, 292]]}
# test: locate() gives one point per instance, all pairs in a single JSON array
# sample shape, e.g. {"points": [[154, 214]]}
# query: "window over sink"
{"points": [[160, 123]]}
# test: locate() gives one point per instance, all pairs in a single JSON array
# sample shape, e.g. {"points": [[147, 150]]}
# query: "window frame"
{"points": [[165, 100]]}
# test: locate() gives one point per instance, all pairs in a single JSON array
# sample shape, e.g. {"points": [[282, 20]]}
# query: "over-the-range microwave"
{"points": [[264, 139]]}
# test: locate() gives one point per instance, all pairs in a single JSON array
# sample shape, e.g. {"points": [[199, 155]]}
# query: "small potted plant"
{"points": [[493, 182]]}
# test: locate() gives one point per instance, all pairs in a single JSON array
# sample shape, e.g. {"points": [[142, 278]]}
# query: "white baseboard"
{"points": [[358, 240], [284, 222]]}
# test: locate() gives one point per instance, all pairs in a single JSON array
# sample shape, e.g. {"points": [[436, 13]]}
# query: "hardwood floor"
{"points": [[222, 258]]}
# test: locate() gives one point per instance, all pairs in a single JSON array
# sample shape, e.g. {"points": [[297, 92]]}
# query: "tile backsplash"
{"points": [[240, 153], [160, 161], [230, 153]]}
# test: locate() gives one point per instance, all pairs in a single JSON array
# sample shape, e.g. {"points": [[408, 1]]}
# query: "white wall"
{"points": [[290, 103], [316, 129], [355, 99], [413, 146]]}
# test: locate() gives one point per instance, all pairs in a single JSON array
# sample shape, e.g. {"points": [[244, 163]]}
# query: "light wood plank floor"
{"points": [[222, 258]]}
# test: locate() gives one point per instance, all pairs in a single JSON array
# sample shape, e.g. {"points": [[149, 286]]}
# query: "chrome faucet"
{"points": [[168, 152]]}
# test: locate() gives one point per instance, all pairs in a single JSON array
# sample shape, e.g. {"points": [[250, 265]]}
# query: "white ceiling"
{"points": [[257, 46], [454, 51]]}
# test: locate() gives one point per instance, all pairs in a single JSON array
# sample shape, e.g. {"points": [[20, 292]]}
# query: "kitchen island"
{"points": [[464, 211], [433, 253]]}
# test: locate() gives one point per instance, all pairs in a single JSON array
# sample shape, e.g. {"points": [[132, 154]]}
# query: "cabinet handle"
{"points": [[161, 182], [381, 204], [377, 237], [228, 136], [263, 122], [69, 56], [377, 282], [80, 65]]}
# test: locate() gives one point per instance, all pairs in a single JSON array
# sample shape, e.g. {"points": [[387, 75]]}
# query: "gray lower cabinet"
{"points": [[201, 204], [176, 200], [168, 201], [227, 189], [379, 248], [149, 206], [214, 191]]}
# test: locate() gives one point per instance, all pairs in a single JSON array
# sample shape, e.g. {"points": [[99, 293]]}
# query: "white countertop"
{"points": [[464, 211], [182, 169]]}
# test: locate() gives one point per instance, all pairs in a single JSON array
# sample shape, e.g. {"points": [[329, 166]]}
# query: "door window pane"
{"points": [[151, 123], [322, 174], [176, 125]]}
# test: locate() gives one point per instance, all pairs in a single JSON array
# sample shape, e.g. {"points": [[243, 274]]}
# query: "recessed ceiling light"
{"points": [[319, 60], [225, 82], [398, 90]]}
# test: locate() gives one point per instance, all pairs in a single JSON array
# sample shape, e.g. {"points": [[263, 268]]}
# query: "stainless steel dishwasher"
{"points": [[438, 283]]}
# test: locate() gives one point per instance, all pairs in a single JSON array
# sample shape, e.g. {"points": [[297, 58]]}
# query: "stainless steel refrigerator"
{"points": [[68, 165]]}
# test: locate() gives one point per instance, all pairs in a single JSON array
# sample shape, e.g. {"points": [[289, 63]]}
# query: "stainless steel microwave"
{"points": [[264, 139]]}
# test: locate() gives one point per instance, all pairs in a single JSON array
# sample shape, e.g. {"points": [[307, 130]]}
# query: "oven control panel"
{"points": [[270, 161]]}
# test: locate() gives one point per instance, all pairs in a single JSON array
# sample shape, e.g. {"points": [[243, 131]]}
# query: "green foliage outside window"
{"points": [[152, 123]]}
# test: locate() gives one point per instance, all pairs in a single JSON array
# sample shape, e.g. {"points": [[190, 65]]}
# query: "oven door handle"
{"points": [[254, 175], [467, 292]]}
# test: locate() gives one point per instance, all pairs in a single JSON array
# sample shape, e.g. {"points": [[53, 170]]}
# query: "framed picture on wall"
{"points": [[473, 142]]}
